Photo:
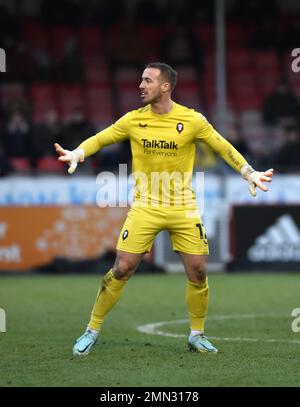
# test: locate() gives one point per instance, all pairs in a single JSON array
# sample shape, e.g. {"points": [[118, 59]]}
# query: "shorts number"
{"points": [[202, 235]]}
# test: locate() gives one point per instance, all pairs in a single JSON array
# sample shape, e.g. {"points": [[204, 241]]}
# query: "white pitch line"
{"points": [[152, 328]]}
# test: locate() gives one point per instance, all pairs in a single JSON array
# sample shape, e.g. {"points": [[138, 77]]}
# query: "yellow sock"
{"points": [[197, 302], [108, 295]]}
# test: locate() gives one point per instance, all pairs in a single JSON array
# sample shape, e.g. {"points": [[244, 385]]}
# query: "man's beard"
{"points": [[154, 99]]}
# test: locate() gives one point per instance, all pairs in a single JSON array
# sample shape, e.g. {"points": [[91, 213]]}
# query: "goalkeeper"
{"points": [[162, 135]]}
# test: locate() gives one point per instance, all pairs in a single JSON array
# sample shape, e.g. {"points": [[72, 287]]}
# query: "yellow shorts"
{"points": [[142, 224]]}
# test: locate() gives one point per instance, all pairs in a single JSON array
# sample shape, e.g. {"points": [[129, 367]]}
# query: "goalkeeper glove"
{"points": [[72, 158], [256, 178]]}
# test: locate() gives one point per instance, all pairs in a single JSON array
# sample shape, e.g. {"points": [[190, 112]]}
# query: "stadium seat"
{"points": [[266, 61], [151, 34], [247, 98], [69, 97], [238, 59], [43, 99], [244, 77], [11, 94], [59, 36], [267, 82], [129, 98], [99, 103], [210, 62], [20, 164], [187, 93], [90, 41], [49, 164], [236, 35], [127, 76], [95, 69], [205, 33], [36, 35], [186, 73]]}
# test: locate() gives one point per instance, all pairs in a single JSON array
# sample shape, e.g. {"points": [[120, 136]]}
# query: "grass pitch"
{"points": [[249, 314]]}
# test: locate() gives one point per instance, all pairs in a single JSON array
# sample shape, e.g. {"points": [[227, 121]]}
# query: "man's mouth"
{"points": [[143, 94]]}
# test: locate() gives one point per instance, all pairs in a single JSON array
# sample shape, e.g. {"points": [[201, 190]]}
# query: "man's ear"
{"points": [[166, 87]]}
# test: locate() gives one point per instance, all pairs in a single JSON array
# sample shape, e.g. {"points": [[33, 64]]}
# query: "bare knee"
{"points": [[196, 272], [125, 265]]}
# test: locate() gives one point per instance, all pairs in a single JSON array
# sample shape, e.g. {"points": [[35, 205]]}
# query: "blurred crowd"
{"points": [[78, 42]]}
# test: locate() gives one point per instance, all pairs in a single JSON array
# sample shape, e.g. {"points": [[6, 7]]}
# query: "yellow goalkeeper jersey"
{"points": [[163, 151]]}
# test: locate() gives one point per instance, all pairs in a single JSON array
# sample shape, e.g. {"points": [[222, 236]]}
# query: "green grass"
{"points": [[46, 313]]}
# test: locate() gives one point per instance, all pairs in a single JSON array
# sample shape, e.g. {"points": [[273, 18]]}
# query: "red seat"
{"points": [[205, 33], [187, 93], [247, 98], [239, 58], [43, 99], [129, 98], [127, 76], [11, 93], [186, 73], [91, 41], [36, 35], [151, 34], [266, 61], [209, 62], [266, 83], [49, 164], [236, 35], [69, 97], [95, 69], [99, 103], [243, 78], [59, 36], [20, 163]]}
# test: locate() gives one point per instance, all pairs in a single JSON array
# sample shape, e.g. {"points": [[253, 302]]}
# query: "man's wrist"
{"points": [[246, 170], [79, 154]]}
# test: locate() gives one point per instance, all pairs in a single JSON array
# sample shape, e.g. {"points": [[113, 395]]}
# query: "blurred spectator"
{"points": [[234, 136], [4, 164], [111, 156], [46, 134], [42, 65], [77, 129], [281, 107], [181, 47], [17, 136], [71, 70], [125, 46], [16, 51], [288, 157]]}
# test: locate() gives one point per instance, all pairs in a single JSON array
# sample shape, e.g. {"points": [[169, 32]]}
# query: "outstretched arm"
{"points": [[227, 151], [113, 134]]}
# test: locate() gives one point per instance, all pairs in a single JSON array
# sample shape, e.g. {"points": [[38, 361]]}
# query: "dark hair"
{"points": [[166, 71]]}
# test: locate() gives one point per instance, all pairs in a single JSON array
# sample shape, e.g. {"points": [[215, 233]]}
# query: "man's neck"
{"points": [[162, 107]]}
